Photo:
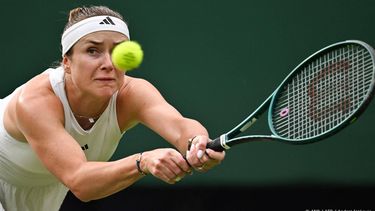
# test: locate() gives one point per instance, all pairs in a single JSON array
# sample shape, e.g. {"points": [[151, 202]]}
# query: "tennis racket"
{"points": [[322, 95]]}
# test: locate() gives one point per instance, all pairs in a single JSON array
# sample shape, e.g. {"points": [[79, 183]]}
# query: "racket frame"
{"points": [[227, 140]]}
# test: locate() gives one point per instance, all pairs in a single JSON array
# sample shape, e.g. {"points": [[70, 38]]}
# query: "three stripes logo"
{"points": [[107, 21]]}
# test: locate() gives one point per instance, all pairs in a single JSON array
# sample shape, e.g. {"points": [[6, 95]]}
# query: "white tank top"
{"points": [[100, 142], [20, 165]]}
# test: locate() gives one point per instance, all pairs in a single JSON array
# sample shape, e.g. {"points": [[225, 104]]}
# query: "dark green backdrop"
{"points": [[216, 61]]}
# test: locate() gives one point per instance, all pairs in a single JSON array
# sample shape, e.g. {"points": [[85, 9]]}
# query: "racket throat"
{"points": [[223, 141]]}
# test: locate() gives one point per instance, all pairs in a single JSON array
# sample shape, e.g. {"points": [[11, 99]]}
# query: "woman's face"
{"points": [[90, 66]]}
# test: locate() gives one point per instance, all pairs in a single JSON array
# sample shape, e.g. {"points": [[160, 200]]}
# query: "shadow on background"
{"points": [[232, 198]]}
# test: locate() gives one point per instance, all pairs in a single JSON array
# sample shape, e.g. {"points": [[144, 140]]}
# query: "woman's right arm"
{"points": [[40, 118]]}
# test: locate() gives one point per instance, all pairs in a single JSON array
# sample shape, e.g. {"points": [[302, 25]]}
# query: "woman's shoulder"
{"points": [[137, 87], [140, 83], [35, 97], [37, 88], [39, 83], [135, 96]]}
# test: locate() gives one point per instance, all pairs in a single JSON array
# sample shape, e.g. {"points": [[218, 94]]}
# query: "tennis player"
{"points": [[59, 129]]}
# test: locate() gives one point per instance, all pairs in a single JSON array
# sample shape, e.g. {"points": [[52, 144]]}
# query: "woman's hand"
{"points": [[200, 158], [166, 164]]}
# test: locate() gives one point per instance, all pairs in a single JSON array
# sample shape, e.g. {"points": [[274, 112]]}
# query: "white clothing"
{"points": [[25, 184]]}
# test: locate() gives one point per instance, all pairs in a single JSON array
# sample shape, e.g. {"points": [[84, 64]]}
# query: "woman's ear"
{"points": [[66, 64]]}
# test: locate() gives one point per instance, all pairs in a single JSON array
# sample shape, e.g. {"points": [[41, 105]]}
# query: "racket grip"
{"points": [[215, 145]]}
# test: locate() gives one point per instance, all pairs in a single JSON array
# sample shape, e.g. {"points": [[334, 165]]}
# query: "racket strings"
{"points": [[323, 93], [369, 75], [339, 103], [328, 86], [324, 86]]}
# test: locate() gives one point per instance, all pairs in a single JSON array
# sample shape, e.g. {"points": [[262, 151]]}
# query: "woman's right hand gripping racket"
{"points": [[322, 95]]}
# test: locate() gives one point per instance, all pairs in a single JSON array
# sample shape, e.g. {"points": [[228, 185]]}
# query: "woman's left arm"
{"points": [[156, 113]]}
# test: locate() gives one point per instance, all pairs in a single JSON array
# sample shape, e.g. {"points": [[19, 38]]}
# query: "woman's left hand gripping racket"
{"points": [[322, 95]]}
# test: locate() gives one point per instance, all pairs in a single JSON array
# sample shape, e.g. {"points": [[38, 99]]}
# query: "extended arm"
{"points": [[40, 119]]}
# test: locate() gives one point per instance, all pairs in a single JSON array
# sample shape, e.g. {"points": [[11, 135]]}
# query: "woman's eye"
{"points": [[92, 51]]}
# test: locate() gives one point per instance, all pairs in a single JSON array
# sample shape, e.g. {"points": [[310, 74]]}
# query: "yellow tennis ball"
{"points": [[127, 55]]}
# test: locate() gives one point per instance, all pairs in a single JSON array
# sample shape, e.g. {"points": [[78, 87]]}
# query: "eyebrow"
{"points": [[93, 42], [101, 42]]}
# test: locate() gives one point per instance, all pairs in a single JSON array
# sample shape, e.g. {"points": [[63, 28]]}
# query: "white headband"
{"points": [[90, 25]]}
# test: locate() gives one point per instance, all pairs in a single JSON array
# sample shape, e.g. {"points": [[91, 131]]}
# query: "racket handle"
{"points": [[215, 145]]}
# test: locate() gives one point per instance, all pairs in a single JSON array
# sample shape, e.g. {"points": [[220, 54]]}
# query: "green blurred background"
{"points": [[216, 61]]}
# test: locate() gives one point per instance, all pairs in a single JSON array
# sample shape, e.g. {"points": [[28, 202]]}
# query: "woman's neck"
{"points": [[85, 107]]}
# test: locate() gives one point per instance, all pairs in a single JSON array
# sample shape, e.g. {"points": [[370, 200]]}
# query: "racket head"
{"points": [[324, 93]]}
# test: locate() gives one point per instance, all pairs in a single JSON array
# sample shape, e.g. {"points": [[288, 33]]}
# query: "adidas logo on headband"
{"points": [[107, 21], [90, 25]]}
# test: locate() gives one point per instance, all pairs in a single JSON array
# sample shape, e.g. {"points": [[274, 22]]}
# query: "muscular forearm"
{"points": [[95, 180], [188, 129]]}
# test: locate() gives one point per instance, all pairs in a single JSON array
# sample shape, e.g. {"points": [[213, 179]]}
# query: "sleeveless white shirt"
{"points": [[25, 184], [99, 142]]}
